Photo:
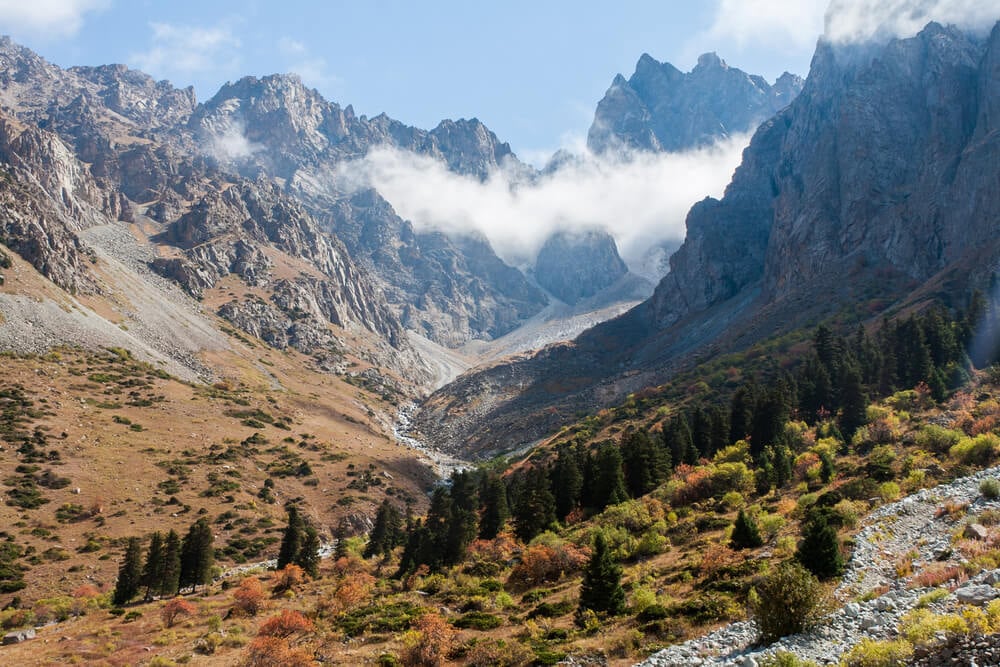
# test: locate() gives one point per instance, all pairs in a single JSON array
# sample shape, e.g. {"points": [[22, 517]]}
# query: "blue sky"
{"points": [[532, 71]]}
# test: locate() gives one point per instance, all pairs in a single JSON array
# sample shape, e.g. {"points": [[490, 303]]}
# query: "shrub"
{"points": [[990, 488], [872, 653], [542, 563], [785, 601], [174, 608], [248, 598], [746, 533], [271, 651], [478, 620], [930, 598], [979, 450], [784, 659], [937, 438], [498, 653], [819, 550], [285, 624], [430, 642], [922, 626], [552, 609]]}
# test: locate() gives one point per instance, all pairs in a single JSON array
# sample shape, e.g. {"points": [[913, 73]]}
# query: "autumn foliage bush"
{"points": [[285, 624], [174, 608], [542, 563], [249, 598], [275, 652], [430, 642], [289, 577]]}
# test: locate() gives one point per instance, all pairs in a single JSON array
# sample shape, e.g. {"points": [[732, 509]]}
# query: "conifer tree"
{"points": [[853, 402], [826, 468], [495, 508], [536, 508], [602, 590], [746, 533], [129, 573], [609, 486], [291, 540], [568, 480], [463, 524], [387, 531], [197, 555], [169, 582], [819, 550], [152, 571], [308, 556]]}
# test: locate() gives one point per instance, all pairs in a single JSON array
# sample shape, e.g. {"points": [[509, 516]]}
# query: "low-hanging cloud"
{"points": [[230, 144], [51, 18], [859, 21], [641, 200]]}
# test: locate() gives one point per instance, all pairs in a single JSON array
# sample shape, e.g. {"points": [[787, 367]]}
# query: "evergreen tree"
{"points": [[741, 413], [463, 524], [602, 590], [387, 531], [769, 417], [853, 402], [291, 541], [197, 555], [495, 508], [308, 556], [819, 550], [826, 467], [170, 579], [609, 486], [340, 535], [152, 571], [746, 533], [645, 463], [129, 573], [782, 466], [568, 479], [436, 528], [413, 548], [536, 508]]}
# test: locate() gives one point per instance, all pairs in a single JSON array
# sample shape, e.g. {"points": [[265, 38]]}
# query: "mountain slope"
{"points": [[660, 108], [876, 183]]}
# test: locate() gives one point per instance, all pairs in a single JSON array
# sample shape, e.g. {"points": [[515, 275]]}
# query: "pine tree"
{"points": [[536, 508], [197, 555], [853, 402], [826, 469], [567, 480], [170, 579], [463, 524], [746, 534], [495, 508], [819, 550], [386, 531], [152, 571], [609, 486], [602, 581], [308, 556], [129, 573], [291, 540]]}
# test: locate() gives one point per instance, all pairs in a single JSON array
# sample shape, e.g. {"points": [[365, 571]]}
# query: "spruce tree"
{"points": [[308, 556], [536, 507], [609, 487], [568, 480], [853, 403], [129, 573], [819, 550], [495, 508], [197, 555], [602, 587], [291, 541], [169, 582], [746, 534], [152, 571], [463, 524], [386, 531]]}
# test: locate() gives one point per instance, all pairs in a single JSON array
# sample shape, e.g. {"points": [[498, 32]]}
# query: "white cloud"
{"points": [[849, 21], [771, 23], [291, 47], [178, 49], [231, 144], [52, 18], [640, 201]]}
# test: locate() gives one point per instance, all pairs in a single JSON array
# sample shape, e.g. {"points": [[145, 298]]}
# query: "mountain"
{"points": [[275, 126], [576, 265], [660, 108], [874, 189]]}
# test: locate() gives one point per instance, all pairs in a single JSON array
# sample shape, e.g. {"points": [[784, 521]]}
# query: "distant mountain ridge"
{"points": [[661, 109], [876, 186]]}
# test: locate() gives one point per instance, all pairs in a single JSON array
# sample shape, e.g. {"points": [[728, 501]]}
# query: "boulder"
{"points": [[975, 531], [18, 636], [976, 594]]}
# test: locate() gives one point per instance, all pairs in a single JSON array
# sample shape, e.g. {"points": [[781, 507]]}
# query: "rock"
{"points": [[662, 109], [975, 531], [852, 609], [574, 266], [976, 594], [18, 636]]}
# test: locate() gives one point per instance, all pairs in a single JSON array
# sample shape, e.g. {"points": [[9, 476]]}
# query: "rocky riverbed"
{"points": [[873, 596]]}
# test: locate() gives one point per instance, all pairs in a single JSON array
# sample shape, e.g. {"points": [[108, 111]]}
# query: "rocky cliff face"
{"points": [[877, 183], [574, 266], [660, 108], [276, 126]]}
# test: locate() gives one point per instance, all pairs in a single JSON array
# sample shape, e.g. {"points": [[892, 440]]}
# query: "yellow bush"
{"points": [[872, 653], [981, 449], [921, 625]]}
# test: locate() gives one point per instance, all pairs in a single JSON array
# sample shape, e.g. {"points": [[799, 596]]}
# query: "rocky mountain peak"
{"points": [[576, 265], [661, 108]]}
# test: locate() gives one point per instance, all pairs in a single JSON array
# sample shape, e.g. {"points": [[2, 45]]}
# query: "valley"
{"points": [[282, 384]]}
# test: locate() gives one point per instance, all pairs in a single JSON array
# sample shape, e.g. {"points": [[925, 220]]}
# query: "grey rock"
{"points": [[975, 531], [576, 265], [976, 594], [18, 636]]}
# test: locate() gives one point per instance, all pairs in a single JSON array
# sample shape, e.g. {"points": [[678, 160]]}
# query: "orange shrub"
{"points": [[174, 608], [289, 577], [354, 590], [716, 557], [275, 652], [285, 624], [541, 563], [697, 484], [936, 574], [430, 643], [249, 597], [86, 591]]}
